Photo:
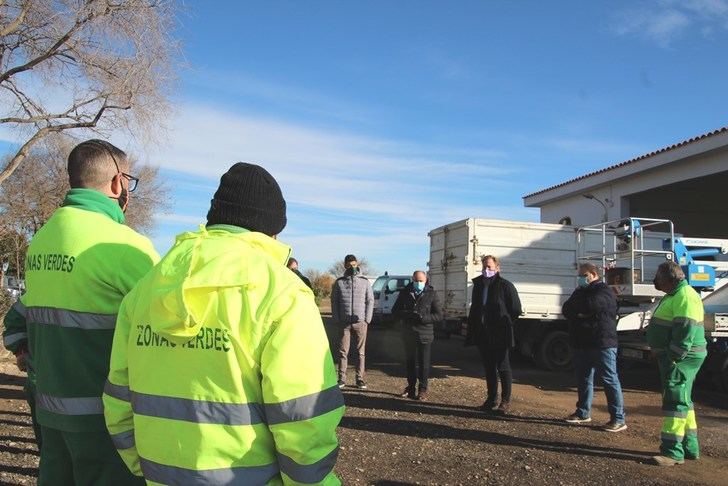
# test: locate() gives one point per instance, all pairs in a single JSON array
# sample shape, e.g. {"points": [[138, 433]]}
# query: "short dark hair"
{"points": [[93, 163], [589, 267], [349, 258], [291, 260], [671, 271]]}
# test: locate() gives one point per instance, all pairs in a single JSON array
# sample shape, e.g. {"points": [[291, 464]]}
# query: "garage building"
{"points": [[686, 182]]}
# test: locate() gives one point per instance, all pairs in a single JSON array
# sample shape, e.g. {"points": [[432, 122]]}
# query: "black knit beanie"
{"points": [[249, 197]]}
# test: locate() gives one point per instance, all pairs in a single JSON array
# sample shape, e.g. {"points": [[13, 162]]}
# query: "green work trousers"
{"points": [[82, 459], [679, 426]]}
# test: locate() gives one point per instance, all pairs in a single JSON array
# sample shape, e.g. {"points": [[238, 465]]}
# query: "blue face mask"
{"points": [[418, 286], [581, 281]]}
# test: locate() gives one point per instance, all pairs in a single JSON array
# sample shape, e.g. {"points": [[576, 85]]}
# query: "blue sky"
{"points": [[383, 120]]}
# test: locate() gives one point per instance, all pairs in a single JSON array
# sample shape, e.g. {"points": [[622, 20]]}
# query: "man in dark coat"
{"points": [[494, 309], [418, 309], [293, 267], [592, 314]]}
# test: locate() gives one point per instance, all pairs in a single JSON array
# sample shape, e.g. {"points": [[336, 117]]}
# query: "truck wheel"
{"points": [[554, 352]]}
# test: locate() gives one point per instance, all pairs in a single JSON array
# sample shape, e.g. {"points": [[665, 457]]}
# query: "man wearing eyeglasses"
{"points": [[78, 268]]}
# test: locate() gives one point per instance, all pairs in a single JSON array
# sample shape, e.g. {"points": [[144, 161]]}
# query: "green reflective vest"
{"points": [[676, 327], [221, 371], [78, 268]]}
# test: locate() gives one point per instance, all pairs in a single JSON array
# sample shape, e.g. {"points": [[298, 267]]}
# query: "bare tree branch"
{"points": [[13, 26], [94, 65], [22, 154], [46, 55]]}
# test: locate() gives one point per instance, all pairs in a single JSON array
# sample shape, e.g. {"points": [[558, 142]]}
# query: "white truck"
{"points": [[386, 289], [541, 260]]}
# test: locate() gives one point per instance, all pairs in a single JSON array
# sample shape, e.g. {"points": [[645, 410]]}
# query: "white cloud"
{"points": [[664, 21], [346, 192], [325, 169]]}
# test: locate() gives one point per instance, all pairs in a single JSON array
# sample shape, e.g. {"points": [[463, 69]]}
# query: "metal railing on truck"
{"points": [[628, 251]]}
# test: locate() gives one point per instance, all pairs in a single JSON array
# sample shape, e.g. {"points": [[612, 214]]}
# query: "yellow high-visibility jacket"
{"points": [[676, 329], [220, 368]]}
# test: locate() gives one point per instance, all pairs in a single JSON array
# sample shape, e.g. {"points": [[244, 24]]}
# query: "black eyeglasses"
{"points": [[133, 181]]}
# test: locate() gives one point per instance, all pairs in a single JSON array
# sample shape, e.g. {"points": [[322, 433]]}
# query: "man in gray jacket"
{"points": [[352, 308]]}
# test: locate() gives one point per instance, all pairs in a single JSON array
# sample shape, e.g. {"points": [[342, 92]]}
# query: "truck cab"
{"points": [[385, 289]]}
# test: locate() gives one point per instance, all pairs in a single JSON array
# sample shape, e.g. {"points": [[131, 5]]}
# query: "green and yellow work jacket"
{"points": [[676, 328], [221, 371], [78, 268]]}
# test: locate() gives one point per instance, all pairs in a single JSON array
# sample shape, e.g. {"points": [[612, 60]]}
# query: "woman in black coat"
{"points": [[418, 309], [495, 307]]}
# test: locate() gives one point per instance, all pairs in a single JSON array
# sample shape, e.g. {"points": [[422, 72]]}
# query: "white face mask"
{"points": [[488, 273]]}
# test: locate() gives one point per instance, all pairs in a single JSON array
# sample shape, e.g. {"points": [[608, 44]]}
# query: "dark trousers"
{"points": [[497, 363], [30, 394], [82, 459], [418, 360]]}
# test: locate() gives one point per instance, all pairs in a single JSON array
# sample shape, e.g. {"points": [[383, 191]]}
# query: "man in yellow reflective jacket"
{"points": [[677, 338], [220, 369], [78, 268]]}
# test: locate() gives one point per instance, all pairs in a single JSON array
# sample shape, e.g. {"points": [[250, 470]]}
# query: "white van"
{"points": [[386, 288]]}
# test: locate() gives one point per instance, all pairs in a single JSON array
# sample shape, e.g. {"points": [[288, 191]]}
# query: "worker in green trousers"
{"points": [[677, 338]]}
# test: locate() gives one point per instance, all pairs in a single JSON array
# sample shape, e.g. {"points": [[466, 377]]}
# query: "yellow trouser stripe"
{"points": [[691, 423], [674, 427]]}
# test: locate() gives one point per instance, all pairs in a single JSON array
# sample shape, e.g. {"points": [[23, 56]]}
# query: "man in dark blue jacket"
{"points": [[418, 309], [592, 314]]}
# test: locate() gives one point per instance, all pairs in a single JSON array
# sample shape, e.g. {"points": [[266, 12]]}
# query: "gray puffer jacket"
{"points": [[352, 300]]}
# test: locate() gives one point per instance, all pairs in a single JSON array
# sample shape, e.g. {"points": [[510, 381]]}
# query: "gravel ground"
{"points": [[387, 440]]}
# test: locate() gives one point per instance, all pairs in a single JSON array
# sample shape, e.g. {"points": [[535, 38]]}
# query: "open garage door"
{"points": [[698, 207]]}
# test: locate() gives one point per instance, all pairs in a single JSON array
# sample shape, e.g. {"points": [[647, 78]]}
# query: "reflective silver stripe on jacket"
{"points": [[123, 440], [71, 405], [688, 321], [683, 353], [199, 411], [304, 408], [678, 350], [660, 322], [309, 473], [673, 414], [19, 307], [117, 391], [242, 475], [11, 339], [68, 318]]}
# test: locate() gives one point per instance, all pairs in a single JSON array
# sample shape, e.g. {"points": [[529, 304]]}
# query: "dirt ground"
{"points": [[387, 440]]}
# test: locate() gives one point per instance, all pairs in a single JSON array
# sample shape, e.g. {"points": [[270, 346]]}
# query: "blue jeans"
{"points": [[604, 361]]}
